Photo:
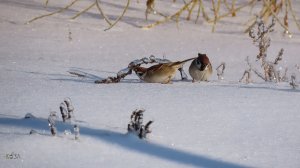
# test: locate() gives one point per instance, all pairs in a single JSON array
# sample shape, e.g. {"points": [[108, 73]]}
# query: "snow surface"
{"points": [[209, 124]]}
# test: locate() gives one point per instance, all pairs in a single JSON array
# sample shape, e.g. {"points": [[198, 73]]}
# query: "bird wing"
{"points": [[155, 67]]}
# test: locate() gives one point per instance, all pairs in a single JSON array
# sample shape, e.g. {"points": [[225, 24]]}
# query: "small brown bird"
{"points": [[160, 73], [201, 68]]}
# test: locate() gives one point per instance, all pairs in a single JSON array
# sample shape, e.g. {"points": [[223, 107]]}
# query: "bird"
{"points": [[200, 68], [160, 73]]}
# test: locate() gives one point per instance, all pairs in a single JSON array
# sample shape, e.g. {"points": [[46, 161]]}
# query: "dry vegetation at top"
{"points": [[209, 10]]}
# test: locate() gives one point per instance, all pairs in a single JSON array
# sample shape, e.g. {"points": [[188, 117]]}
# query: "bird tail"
{"points": [[180, 63]]}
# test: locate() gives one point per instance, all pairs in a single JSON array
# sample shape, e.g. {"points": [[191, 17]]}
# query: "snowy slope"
{"points": [[215, 124]]}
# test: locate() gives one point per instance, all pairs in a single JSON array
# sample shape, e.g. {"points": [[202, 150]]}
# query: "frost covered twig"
{"points": [[247, 73], [293, 82], [279, 57], [51, 120], [66, 109], [76, 131], [261, 37], [262, 40], [136, 124], [246, 76], [220, 71]]}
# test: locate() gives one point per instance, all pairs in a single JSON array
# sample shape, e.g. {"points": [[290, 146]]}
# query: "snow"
{"points": [[208, 124]]}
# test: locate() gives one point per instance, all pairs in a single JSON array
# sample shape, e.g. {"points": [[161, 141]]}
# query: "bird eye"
{"points": [[198, 62], [140, 74]]}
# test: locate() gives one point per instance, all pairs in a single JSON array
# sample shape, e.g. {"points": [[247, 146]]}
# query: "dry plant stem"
{"points": [[58, 11], [198, 13], [233, 11], [226, 4], [86, 9], [201, 8], [177, 14], [253, 20], [102, 13], [293, 14], [252, 6], [191, 10], [232, 8], [46, 3], [276, 17], [120, 17], [150, 7], [286, 19], [216, 12]]}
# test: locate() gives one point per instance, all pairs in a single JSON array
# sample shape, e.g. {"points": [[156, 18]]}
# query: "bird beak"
{"points": [[203, 67]]}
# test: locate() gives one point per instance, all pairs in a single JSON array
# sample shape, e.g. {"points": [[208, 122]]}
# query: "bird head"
{"points": [[202, 61], [140, 71]]}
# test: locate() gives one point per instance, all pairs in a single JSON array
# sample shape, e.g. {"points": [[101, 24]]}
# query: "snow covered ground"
{"points": [[214, 124]]}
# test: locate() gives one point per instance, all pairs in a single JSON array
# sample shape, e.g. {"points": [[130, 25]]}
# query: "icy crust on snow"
{"points": [[207, 124]]}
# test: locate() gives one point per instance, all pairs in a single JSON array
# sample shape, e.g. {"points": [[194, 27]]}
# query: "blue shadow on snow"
{"points": [[123, 140]]}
